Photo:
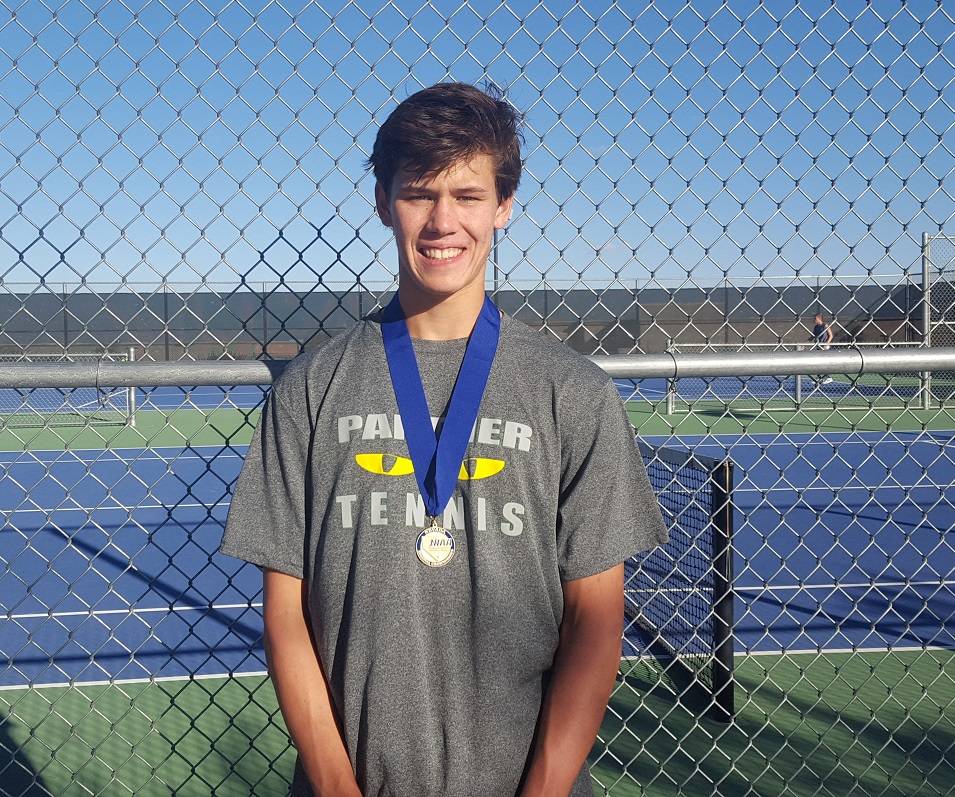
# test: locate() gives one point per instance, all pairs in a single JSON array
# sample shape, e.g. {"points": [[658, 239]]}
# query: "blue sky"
{"points": [[186, 141]]}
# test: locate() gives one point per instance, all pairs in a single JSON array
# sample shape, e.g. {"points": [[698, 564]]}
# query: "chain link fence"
{"points": [[185, 183]]}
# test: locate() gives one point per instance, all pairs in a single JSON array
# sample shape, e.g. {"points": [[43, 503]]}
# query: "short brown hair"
{"points": [[445, 124]]}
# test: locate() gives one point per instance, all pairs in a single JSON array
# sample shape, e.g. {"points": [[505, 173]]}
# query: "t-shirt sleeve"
{"points": [[607, 511], [266, 522]]}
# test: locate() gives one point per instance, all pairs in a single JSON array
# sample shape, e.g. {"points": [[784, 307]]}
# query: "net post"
{"points": [[131, 391], [723, 707], [926, 316]]}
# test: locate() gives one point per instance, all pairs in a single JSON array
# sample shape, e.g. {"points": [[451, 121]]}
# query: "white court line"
{"points": [[824, 651], [131, 611], [54, 455], [789, 587], [672, 590], [123, 681], [820, 438], [846, 585], [799, 652], [838, 488], [741, 488], [263, 673], [150, 406], [88, 510], [258, 604], [737, 489]]}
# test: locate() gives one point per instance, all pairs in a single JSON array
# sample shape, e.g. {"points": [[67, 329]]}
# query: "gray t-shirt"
{"points": [[437, 673]]}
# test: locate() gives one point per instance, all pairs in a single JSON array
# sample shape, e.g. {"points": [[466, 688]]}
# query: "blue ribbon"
{"points": [[437, 459]]}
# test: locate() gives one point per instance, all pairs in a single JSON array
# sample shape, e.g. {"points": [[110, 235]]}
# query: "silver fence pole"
{"points": [[851, 360], [926, 316]]}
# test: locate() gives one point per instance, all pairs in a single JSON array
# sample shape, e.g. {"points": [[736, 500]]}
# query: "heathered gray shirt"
{"points": [[437, 673]]}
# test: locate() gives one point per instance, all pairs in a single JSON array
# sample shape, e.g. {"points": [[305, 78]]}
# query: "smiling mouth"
{"points": [[446, 253]]}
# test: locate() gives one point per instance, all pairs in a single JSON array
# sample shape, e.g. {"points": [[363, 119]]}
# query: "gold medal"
{"points": [[435, 545]]}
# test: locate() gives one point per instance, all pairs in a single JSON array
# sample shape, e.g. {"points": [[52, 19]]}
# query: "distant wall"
{"points": [[206, 324]]}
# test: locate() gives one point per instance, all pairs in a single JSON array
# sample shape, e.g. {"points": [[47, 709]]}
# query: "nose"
{"points": [[443, 218]]}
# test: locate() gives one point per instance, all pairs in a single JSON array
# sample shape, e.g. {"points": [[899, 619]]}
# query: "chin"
{"points": [[436, 284], [441, 289]]}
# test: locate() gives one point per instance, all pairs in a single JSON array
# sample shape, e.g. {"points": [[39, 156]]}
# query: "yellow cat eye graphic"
{"points": [[385, 464], [480, 468], [472, 469]]}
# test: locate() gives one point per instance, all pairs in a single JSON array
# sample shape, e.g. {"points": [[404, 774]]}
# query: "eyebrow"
{"points": [[468, 189]]}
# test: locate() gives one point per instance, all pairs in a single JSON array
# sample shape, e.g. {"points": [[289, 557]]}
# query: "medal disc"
{"points": [[435, 546]]}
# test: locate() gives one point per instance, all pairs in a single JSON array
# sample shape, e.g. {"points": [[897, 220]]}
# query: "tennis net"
{"points": [[48, 406], [799, 391], [680, 594]]}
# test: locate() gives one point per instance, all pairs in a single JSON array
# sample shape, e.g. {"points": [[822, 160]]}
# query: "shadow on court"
{"points": [[17, 778], [882, 714], [186, 635]]}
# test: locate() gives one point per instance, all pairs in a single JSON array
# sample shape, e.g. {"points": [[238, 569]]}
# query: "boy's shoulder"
{"points": [[537, 355], [548, 359], [318, 365], [551, 365]]}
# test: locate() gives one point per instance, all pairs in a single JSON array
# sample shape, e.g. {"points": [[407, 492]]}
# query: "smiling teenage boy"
{"points": [[441, 500]]}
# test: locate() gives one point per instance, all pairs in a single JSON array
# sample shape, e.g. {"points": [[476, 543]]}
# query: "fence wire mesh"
{"points": [[186, 181]]}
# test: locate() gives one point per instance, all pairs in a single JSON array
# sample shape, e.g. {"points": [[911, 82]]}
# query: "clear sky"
{"points": [[188, 141]]}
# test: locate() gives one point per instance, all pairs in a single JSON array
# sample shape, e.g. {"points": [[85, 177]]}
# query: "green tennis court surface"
{"points": [[894, 735], [228, 426]]}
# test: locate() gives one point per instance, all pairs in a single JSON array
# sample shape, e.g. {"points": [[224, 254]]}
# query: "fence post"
{"points": [[165, 319], [926, 317], [131, 395], [265, 322], [66, 319]]}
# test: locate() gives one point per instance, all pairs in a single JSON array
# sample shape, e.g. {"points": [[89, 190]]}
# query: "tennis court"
{"points": [[843, 565]]}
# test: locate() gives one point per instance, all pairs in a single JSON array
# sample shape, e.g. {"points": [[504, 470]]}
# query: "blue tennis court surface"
{"points": [[874, 387], [111, 554], [207, 397]]}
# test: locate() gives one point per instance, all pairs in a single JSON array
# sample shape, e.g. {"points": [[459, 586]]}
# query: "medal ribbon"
{"points": [[437, 458]]}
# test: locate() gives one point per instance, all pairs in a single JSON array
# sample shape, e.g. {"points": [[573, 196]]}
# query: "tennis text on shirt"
{"points": [[386, 507]]}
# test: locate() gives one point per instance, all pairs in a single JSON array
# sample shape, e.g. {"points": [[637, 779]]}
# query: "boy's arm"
{"points": [[586, 664], [302, 689]]}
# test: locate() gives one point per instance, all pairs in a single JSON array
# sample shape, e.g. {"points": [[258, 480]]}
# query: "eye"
{"points": [[385, 464], [479, 468]]}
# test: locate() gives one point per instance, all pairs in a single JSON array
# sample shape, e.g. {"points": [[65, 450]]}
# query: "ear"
{"points": [[503, 214], [381, 205]]}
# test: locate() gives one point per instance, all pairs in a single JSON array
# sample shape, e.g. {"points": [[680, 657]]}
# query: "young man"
{"points": [[443, 611]]}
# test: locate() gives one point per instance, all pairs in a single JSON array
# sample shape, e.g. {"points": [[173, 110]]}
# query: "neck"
{"points": [[450, 318]]}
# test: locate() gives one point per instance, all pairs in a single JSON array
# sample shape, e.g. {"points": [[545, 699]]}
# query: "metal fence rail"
{"points": [[851, 360]]}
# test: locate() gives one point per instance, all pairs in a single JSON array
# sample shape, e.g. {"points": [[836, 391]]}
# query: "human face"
{"points": [[444, 228]]}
